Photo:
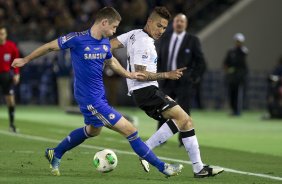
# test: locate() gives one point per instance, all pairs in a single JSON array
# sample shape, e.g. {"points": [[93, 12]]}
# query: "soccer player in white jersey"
{"points": [[90, 50], [142, 57]]}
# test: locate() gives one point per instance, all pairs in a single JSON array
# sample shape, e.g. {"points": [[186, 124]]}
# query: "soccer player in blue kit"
{"points": [[90, 50]]}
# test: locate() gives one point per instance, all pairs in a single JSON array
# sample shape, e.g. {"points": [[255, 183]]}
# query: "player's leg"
{"points": [[167, 130], [184, 99], [184, 123], [112, 119], [126, 128], [10, 101], [169, 91], [130, 132], [153, 101], [190, 141], [7, 83], [160, 105], [75, 138]]}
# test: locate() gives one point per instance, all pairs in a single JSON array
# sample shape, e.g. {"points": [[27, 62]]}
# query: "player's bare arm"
{"points": [[114, 64], [150, 76], [40, 51], [116, 44]]}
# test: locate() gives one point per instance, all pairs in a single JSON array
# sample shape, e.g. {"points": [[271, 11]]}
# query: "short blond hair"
{"points": [[108, 13]]}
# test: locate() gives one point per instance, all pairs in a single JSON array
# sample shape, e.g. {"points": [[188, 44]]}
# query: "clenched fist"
{"points": [[19, 62]]}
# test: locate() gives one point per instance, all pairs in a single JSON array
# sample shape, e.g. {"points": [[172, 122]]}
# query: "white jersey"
{"points": [[140, 51]]}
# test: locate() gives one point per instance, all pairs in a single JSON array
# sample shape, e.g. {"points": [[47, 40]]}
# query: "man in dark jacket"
{"points": [[236, 71], [274, 95], [179, 49]]}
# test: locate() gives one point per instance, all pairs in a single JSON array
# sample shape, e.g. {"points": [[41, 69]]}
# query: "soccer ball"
{"points": [[105, 161]]}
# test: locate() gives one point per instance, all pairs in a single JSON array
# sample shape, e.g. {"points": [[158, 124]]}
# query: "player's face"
{"points": [[3, 35], [180, 23], [157, 27], [110, 29]]}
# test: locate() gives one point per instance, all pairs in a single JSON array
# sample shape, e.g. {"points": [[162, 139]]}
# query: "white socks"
{"points": [[192, 147], [160, 136], [189, 140]]}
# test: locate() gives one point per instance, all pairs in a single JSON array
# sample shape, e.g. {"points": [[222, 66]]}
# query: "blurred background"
{"points": [[48, 80]]}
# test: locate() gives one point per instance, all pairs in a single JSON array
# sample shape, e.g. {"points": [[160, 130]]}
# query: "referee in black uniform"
{"points": [[236, 71]]}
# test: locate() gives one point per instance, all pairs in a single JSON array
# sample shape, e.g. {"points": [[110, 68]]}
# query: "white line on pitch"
{"points": [[32, 137]]}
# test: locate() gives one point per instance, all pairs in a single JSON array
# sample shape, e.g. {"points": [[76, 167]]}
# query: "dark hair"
{"points": [[108, 13], [162, 12]]}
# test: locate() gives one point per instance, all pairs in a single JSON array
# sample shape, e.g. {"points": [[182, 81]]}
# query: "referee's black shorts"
{"points": [[6, 83], [153, 101]]}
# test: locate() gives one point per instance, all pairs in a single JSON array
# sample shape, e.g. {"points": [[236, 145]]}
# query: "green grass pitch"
{"points": [[249, 149]]}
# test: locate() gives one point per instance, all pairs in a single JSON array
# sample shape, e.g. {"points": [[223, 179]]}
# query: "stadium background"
{"points": [[33, 22]]}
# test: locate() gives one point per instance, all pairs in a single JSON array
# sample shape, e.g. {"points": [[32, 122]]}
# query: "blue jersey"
{"points": [[88, 55]]}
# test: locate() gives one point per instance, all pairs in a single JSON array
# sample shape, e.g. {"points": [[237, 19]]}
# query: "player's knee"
{"points": [[186, 123], [92, 131]]}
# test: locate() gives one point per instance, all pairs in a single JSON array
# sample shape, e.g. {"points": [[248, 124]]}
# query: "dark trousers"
{"points": [[235, 94]]}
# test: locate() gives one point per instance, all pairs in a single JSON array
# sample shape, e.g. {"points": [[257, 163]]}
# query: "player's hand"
{"points": [[19, 62], [176, 74], [137, 75]]}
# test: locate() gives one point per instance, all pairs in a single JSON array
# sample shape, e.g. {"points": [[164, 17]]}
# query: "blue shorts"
{"points": [[101, 115]]}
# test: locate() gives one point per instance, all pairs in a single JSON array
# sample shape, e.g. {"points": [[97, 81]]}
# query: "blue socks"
{"points": [[74, 139], [143, 151], [79, 135]]}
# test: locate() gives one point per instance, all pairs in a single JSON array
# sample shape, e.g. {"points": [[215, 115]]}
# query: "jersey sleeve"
{"points": [[141, 54], [67, 41], [123, 38], [107, 48], [109, 54]]}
